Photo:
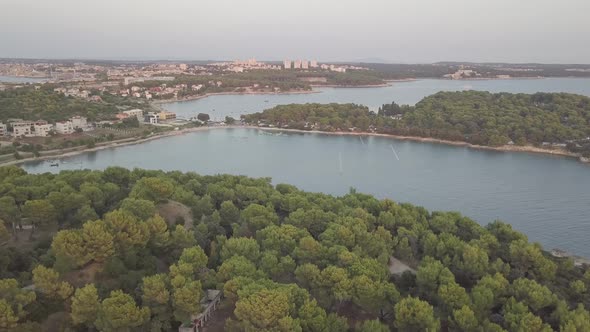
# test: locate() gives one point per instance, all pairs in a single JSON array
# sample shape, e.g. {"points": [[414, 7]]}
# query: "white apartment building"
{"points": [[79, 122], [287, 64], [136, 113], [42, 130], [337, 69], [3, 129], [20, 129], [297, 64], [237, 69], [304, 64], [313, 64], [64, 127]]}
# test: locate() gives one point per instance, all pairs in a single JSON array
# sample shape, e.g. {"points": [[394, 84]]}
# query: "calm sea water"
{"points": [[19, 79], [400, 92], [545, 197]]}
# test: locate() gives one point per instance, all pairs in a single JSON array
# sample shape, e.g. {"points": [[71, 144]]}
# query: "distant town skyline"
{"points": [[419, 31]]}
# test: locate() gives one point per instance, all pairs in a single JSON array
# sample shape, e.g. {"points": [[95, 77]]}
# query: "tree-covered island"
{"points": [[549, 120]]}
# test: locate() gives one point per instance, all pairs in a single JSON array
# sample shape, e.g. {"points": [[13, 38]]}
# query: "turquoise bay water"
{"points": [[545, 197], [400, 92]]}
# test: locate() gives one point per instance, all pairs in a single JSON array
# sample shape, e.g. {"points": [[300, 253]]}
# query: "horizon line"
{"points": [[376, 61]]}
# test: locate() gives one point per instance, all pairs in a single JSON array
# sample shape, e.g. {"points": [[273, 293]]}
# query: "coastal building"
{"points": [[304, 64], [43, 130], [79, 122], [152, 118], [22, 129], [183, 66], [3, 129], [462, 73], [64, 127], [134, 112], [236, 69], [287, 64], [166, 115], [337, 69]]}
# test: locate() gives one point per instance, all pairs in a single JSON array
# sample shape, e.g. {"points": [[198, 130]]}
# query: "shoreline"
{"points": [[387, 82], [498, 78], [197, 97], [503, 148], [406, 79], [134, 141], [293, 92], [109, 145], [557, 253], [360, 86]]}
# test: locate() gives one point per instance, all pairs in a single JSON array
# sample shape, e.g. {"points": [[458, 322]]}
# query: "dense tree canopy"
{"points": [[285, 259], [480, 118], [29, 103]]}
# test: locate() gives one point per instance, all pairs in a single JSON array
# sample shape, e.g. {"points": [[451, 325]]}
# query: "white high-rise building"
{"points": [[297, 64], [314, 64], [287, 64], [304, 64]]}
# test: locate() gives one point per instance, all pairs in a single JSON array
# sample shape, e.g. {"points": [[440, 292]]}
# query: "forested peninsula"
{"points": [[545, 120], [121, 250]]}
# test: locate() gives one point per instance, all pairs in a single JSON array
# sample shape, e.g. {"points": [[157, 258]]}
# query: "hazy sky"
{"points": [[414, 31]]}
